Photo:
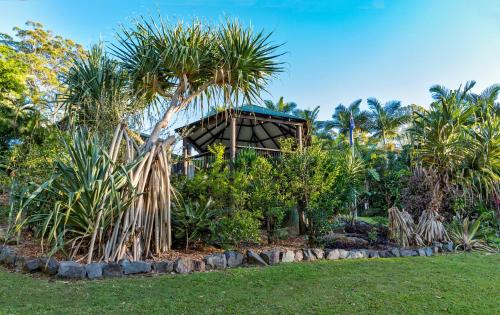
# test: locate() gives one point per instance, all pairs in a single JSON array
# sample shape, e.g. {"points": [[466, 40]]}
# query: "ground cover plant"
{"points": [[454, 284]]}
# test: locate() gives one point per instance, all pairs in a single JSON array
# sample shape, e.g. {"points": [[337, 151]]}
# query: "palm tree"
{"points": [[342, 116], [311, 117], [386, 120], [281, 106]]}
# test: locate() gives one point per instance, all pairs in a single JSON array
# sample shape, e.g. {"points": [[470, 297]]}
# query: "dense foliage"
{"points": [[422, 168]]}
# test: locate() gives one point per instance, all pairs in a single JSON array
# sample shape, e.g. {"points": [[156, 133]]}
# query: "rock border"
{"points": [[218, 261]]}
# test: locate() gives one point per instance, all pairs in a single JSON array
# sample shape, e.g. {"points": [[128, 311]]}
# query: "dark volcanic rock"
{"points": [[49, 266], [112, 270], [94, 270], [71, 270], [135, 267], [163, 266], [255, 259]]}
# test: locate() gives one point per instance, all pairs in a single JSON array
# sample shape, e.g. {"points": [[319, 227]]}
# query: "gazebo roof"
{"points": [[256, 126]]}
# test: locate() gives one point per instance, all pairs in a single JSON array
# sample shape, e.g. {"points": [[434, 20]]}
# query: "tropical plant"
{"points": [[89, 197], [464, 233], [458, 138], [175, 67], [342, 116], [311, 117], [98, 93], [401, 226], [192, 221], [281, 106], [385, 121]]}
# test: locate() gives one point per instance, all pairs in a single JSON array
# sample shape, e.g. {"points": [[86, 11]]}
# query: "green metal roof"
{"points": [[265, 111]]}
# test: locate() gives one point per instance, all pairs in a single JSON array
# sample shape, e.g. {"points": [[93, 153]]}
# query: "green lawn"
{"points": [[457, 284]]}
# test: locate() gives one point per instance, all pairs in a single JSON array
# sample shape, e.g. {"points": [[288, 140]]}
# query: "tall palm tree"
{"points": [[342, 116], [281, 106], [386, 120], [311, 117]]}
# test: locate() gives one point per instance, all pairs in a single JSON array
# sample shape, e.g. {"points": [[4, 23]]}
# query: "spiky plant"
{"points": [[464, 233], [400, 226]]}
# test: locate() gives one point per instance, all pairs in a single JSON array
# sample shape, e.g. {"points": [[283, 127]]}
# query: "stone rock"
{"points": [[373, 254], [428, 251], [71, 270], [233, 259], [337, 240], [271, 257], [308, 255], [112, 270], [448, 247], [436, 249], [19, 263], [32, 265], [94, 271], [198, 265], [383, 253], [163, 266], [7, 256], [287, 256], [394, 252], [255, 259], [183, 265], [49, 266], [421, 252], [298, 255], [318, 252], [216, 261], [135, 267], [408, 253], [332, 254], [343, 253], [438, 245], [356, 254]]}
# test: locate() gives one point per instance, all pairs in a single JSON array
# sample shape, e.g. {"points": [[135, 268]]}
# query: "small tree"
{"points": [[175, 67]]}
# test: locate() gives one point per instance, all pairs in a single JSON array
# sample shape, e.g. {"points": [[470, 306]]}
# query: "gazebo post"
{"points": [[299, 137], [186, 152], [232, 144]]}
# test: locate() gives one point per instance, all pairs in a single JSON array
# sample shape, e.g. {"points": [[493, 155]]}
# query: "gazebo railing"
{"points": [[205, 159]]}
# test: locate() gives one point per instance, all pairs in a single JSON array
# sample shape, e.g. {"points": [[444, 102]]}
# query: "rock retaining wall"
{"points": [[218, 261]]}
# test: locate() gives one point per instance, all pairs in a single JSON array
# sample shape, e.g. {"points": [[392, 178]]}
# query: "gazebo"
{"points": [[247, 126]]}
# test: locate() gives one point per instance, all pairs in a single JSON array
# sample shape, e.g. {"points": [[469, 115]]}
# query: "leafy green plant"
{"points": [[464, 232], [88, 193], [193, 221]]}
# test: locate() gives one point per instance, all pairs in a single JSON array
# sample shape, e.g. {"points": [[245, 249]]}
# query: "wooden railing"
{"points": [[203, 160]]}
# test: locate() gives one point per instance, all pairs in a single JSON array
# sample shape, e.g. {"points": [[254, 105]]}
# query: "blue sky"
{"points": [[338, 51]]}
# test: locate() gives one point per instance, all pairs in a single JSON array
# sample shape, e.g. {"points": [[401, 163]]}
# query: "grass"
{"points": [[456, 284], [374, 220]]}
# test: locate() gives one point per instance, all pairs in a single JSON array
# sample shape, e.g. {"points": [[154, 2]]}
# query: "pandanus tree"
{"points": [[458, 138], [386, 120], [173, 66]]}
